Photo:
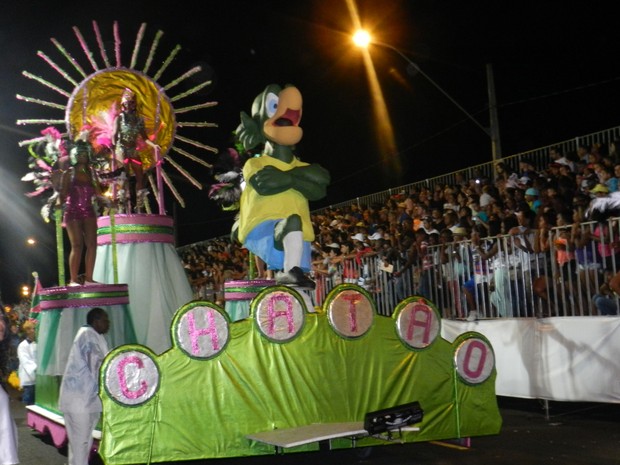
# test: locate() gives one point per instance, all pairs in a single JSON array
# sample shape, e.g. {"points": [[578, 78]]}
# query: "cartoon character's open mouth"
{"points": [[289, 118]]}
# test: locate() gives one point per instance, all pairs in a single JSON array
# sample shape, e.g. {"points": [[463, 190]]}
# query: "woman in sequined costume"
{"points": [[79, 188]]}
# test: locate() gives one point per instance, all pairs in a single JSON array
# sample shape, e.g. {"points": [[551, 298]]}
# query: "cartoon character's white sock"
{"points": [[293, 249]]}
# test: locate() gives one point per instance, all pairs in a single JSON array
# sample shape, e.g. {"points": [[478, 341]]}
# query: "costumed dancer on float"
{"points": [[274, 217], [128, 139], [79, 188], [49, 159]]}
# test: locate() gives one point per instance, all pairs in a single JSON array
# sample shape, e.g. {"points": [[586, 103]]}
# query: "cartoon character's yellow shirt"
{"points": [[256, 208]]}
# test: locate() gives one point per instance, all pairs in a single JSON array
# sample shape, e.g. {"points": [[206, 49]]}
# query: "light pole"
{"points": [[363, 39]]}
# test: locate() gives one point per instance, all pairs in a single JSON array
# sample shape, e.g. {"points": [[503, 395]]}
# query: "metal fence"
{"points": [[499, 277]]}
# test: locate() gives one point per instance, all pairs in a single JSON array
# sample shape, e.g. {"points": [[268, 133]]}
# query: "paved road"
{"points": [[574, 434]]}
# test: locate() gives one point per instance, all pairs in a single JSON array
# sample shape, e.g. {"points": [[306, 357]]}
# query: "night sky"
{"points": [[556, 71]]}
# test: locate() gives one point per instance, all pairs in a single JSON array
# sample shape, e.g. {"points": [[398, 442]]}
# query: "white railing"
{"points": [[501, 277]]}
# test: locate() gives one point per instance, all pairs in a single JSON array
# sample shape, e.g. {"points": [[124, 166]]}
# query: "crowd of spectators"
{"points": [[16, 317], [209, 264], [401, 228]]}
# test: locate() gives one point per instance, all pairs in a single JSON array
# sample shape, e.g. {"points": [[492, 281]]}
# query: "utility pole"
{"points": [[496, 145]]}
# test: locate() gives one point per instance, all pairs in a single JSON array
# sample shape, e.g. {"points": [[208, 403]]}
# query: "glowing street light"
{"points": [[382, 121], [34, 243], [363, 39]]}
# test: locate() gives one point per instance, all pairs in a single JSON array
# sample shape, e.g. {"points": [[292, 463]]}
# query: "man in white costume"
{"points": [[79, 392]]}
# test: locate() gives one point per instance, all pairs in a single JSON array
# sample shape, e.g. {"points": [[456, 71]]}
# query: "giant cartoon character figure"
{"points": [[274, 217]]}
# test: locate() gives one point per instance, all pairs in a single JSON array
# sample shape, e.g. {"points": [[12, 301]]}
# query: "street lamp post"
{"points": [[363, 39]]}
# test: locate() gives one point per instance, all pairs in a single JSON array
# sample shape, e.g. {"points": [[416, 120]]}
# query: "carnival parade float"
{"points": [[286, 379], [189, 379]]}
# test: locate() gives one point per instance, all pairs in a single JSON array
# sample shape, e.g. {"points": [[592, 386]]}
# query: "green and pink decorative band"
{"points": [[98, 295], [245, 290], [135, 228]]}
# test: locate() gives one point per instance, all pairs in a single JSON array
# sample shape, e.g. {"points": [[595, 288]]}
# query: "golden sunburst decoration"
{"points": [[96, 93]]}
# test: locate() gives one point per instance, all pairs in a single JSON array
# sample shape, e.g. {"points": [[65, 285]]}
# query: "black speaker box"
{"points": [[393, 418]]}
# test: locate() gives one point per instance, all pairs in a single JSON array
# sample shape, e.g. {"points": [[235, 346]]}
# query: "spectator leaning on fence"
{"points": [[606, 300]]}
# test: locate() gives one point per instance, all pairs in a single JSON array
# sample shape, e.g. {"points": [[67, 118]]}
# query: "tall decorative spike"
{"points": [[196, 124], [117, 44], [57, 68], [152, 51], [167, 62], [136, 47], [68, 56], [172, 189], [102, 51], [192, 157], [195, 107], [182, 78], [184, 172], [40, 102], [191, 91], [195, 143], [85, 48], [23, 122], [153, 184], [40, 80]]}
